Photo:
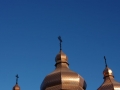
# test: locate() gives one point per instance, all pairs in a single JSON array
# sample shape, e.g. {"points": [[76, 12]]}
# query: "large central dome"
{"points": [[62, 78]]}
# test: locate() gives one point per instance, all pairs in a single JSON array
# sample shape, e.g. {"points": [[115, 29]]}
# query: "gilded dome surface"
{"points": [[16, 87], [107, 72], [61, 57], [62, 78], [109, 81]]}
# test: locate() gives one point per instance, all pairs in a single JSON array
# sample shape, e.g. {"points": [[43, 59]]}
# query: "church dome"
{"points": [[109, 82], [16, 87], [62, 78], [107, 72], [61, 57]]}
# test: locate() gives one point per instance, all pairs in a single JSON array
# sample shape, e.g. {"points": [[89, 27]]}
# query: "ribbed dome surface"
{"points": [[62, 78]]}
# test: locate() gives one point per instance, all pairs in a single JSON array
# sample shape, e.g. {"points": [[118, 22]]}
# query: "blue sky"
{"points": [[29, 29]]}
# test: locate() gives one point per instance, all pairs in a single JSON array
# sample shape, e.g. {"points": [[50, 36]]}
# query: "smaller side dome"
{"points": [[16, 87], [109, 82], [107, 72], [61, 57]]}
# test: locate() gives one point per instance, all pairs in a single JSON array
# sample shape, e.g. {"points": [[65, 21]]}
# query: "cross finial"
{"points": [[105, 61], [60, 42], [17, 79]]}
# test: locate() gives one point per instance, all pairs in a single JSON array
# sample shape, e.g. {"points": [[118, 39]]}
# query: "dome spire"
{"points": [[105, 61], [61, 57], [17, 79], [16, 87], [107, 71], [59, 38]]}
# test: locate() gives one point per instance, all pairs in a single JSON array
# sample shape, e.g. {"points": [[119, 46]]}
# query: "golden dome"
{"points": [[62, 78], [107, 72], [109, 81], [61, 57], [16, 87]]}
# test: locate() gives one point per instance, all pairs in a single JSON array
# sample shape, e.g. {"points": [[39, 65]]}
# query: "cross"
{"points": [[60, 42], [105, 61], [17, 79]]}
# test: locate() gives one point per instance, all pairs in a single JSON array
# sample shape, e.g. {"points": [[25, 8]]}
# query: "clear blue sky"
{"points": [[29, 29]]}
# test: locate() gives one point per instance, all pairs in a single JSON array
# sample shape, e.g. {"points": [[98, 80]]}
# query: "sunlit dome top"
{"points": [[16, 87], [61, 57], [107, 72]]}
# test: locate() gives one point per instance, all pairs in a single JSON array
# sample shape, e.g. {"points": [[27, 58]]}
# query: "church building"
{"points": [[62, 78]]}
